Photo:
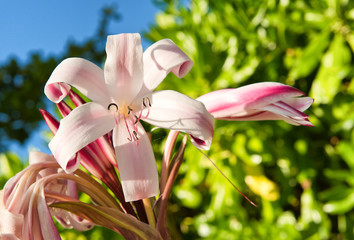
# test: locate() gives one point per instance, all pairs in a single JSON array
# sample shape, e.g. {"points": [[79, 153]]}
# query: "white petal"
{"points": [[136, 163], [81, 74], [83, 125], [123, 70], [176, 111], [160, 59]]}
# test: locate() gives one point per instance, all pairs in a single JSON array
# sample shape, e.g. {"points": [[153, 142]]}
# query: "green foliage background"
{"points": [[301, 178]]}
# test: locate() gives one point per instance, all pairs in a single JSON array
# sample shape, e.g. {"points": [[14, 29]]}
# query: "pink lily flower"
{"points": [[122, 95], [259, 101], [24, 201]]}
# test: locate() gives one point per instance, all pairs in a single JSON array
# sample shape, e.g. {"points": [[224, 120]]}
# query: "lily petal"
{"points": [[295, 107], [123, 70], [239, 101], [66, 219], [11, 223], [176, 111], [82, 126], [47, 226], [160, 59], [287, 113], [300, 104], [81, 74], [39, 157], [136, 163]]}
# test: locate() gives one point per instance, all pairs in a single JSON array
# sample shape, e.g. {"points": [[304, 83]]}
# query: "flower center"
{"points": [[127, 113], [125, 110]]}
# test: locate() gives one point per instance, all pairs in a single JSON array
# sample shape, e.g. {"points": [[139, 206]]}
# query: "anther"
{"points": [[146, 100], [112, 104], [129, 109], [136, 135]]}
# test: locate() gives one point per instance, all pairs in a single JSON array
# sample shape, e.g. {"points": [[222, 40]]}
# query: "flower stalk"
{"points": [[161, 224]]}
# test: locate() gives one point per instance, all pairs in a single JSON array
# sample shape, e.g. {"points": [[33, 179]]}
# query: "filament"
{"points": [[130, 138]]}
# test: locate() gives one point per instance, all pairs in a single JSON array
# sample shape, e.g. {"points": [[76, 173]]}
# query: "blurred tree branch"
{"points": [[21, 85]]}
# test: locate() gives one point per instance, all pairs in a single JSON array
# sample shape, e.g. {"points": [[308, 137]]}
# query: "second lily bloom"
{"points": [[259, 101]]}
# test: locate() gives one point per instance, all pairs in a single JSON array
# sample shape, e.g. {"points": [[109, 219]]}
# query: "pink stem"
{"points": [[161, 224], [170, 142]]}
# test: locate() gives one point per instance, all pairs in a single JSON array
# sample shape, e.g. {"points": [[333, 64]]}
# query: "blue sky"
{"points": [[47, 25]]}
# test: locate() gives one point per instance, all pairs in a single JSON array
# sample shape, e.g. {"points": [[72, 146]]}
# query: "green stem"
{"points": [[149, 212]]}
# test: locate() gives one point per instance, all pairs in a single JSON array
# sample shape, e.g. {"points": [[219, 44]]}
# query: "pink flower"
{"points": [[24, 201], [259, 101], [122, 95]]}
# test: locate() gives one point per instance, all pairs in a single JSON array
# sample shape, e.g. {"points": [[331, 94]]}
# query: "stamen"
{"points": [[138, 118], [147, 114], [130, 138], [146, 101], [117, 117], [116, 112], [129, 110], [128, 123], [136, 135], [113, 104], [133, 122]]}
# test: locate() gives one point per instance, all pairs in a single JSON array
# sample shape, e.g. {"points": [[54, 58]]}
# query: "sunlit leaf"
{"points": [[310, 56], [335, 66], [346, 150], [263, 187], [340, 206], [189, 197]]}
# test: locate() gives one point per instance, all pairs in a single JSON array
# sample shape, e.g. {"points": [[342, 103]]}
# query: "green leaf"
{"points": [[189, 197], [10, 164], [310, 57], [341, 206], [350, 40], [335, 67], [125, 224], [346, 150]]}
